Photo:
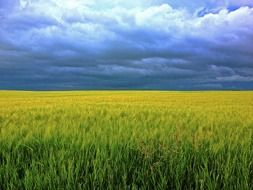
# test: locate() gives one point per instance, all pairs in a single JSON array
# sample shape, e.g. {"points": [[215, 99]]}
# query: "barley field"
{"points": [[126, 140]]}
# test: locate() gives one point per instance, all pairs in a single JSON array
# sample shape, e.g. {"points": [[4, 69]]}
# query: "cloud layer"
{"points": [[102, 44]]}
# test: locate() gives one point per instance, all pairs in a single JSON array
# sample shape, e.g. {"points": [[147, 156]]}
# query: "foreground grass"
{"points": [[126, 140]]}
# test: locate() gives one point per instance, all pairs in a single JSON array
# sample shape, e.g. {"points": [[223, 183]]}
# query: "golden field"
{"points": [[126, 140]]}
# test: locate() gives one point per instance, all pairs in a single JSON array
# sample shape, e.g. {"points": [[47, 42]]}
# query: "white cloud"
{"points": [[155, 40], [236, 78]]}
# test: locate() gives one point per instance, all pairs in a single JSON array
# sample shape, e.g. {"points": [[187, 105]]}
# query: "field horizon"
{"points": [[115, 94]]}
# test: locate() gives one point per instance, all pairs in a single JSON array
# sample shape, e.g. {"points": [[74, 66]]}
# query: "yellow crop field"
{"points": [[126, 140]]}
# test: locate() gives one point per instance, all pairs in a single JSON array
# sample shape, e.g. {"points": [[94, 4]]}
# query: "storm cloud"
{"points": [[147, 44]]}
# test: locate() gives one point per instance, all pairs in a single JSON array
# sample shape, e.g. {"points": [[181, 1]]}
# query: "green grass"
{"points": [[126, 140]]}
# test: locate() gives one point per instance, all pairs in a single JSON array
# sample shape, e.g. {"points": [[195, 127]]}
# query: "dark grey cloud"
{"points": [[122, 45]]}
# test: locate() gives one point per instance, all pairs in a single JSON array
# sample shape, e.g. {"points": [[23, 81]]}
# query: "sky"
{"points": [[119, 44]]}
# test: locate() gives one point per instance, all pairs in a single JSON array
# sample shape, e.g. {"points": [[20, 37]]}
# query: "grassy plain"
{"points": [[126, 140]]}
